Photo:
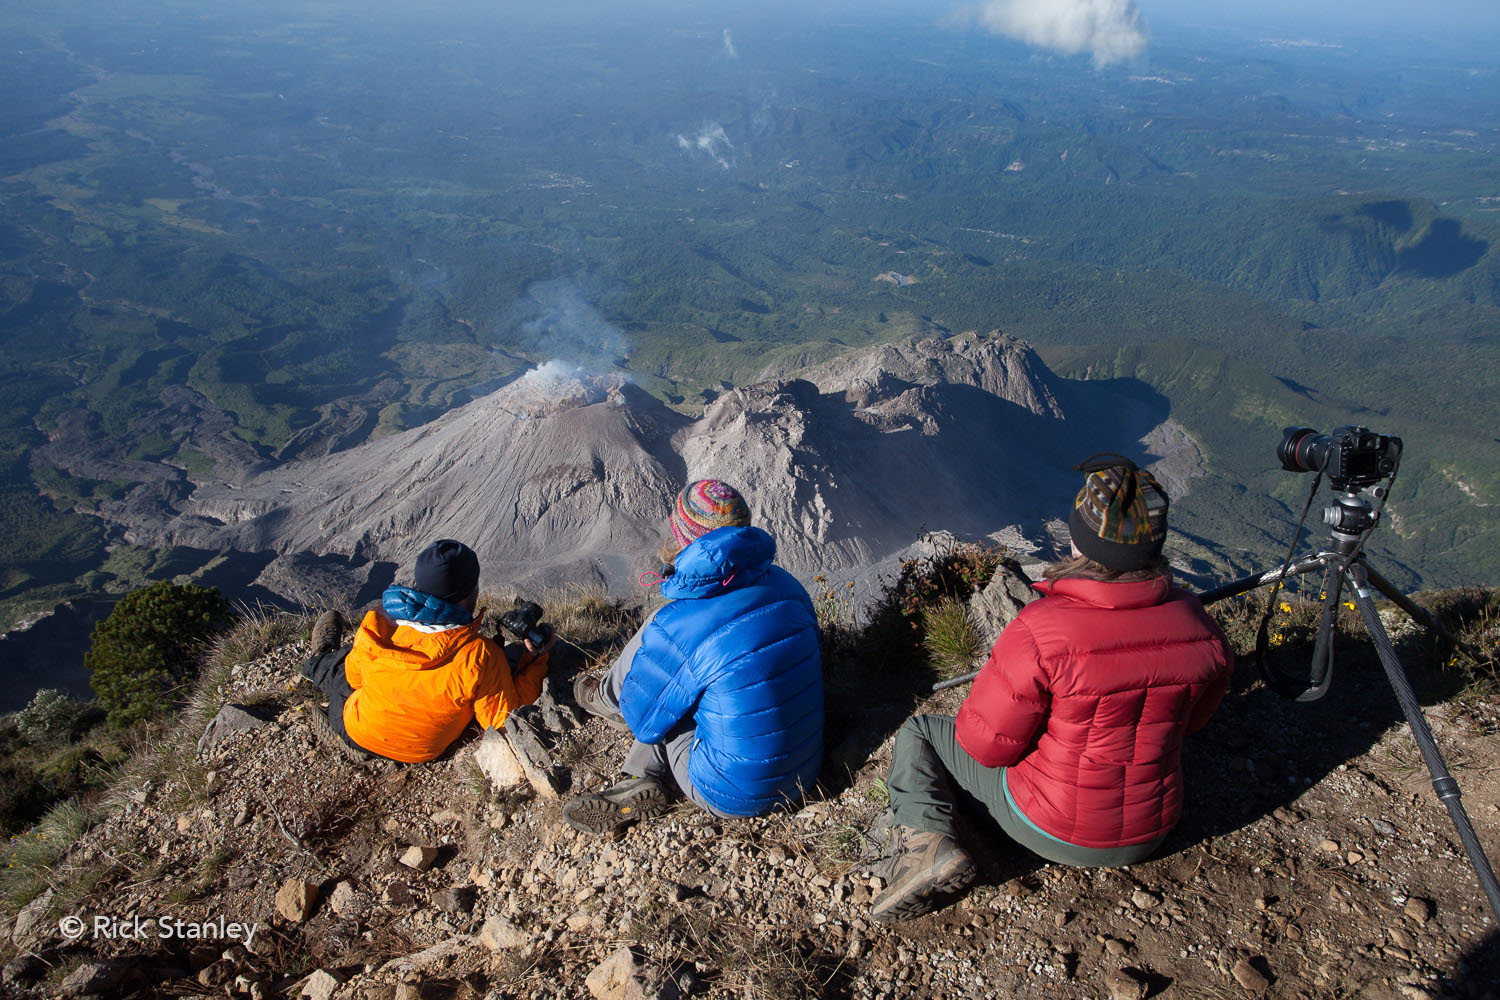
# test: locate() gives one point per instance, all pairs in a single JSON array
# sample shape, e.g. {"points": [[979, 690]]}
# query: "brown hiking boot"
{"points": [[927, 867], [617, 806], [326, 632], [586, 696], [324, 733]]}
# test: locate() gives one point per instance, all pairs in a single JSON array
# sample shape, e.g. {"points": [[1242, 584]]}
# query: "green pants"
{"points": [[932, 777]]}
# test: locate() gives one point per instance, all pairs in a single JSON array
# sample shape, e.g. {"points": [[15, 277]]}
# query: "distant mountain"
{"points": [[557, 477]]}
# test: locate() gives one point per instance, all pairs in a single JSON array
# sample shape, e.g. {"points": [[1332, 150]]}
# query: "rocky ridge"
{"points": [[565, 478], [1316, 866]]}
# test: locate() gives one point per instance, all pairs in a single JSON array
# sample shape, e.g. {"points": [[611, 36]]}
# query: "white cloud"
{"points": [[712, 141], [729, 48], [1109, 30]]}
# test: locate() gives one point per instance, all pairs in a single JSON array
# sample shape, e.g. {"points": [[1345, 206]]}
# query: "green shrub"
{"points": [[149, 645], [950, 637], [51, 713], [955, 573]]}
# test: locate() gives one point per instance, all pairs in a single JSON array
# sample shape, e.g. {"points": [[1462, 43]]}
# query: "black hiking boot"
{"points": [[326, 632], [586, 696], [617, 806], [926, 872]]}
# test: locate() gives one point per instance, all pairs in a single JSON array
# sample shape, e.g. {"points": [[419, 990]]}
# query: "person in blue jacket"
{"points": [[722, 687]]}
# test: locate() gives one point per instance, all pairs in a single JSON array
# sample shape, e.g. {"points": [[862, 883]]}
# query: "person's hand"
{"points": [[550, 633]]}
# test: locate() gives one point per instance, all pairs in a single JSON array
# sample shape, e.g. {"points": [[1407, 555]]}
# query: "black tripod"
{"points": [[1351, 516]]}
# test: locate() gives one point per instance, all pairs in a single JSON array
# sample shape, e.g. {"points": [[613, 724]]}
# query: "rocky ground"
{"points": [[1315, 862]]}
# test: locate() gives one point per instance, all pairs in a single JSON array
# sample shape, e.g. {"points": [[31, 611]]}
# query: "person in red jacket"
{"points": [[1071, 737]]}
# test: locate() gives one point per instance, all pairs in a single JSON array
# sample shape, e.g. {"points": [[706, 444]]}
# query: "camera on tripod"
{"points": [[1354, 458], [524, 622]]}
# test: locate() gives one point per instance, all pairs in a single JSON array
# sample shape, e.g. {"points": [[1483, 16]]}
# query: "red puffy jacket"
{"points": [[1086, 699]]}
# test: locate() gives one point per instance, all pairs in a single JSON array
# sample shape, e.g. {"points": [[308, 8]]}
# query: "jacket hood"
{"points": [[409, 605], [1109, 593], [720, 561], [407, 648]]}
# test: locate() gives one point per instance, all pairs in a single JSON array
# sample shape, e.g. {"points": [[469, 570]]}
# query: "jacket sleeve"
{"points": [[1213, 692], [499, 690], [999, 720], [659, 690]]}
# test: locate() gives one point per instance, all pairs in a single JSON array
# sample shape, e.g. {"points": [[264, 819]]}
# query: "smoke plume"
{"points": [[729, 48], [1109, 30], [554, 320]]}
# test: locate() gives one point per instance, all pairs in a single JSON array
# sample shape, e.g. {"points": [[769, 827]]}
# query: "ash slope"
{"points": [[569, 479]]}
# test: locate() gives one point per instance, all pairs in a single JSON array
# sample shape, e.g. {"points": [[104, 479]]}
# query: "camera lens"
{"points": [[1302, 449]]}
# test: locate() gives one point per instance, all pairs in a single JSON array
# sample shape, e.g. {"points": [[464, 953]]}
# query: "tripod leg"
{"points": [[1304, 565], [1320, 676], [1421, 616], [1442, 782]]}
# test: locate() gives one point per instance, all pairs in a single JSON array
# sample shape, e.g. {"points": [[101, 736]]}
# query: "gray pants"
{"points": [[932, 776], [667, 761]]}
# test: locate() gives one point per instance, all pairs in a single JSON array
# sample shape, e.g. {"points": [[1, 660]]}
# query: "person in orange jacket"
{"points": [[419, 671]]}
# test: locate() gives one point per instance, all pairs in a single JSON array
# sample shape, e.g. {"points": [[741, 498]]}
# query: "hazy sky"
{"points": [[1452, 18]]}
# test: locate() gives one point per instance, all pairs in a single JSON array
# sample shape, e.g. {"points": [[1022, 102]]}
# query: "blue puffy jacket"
{"points": [[737, 650]]}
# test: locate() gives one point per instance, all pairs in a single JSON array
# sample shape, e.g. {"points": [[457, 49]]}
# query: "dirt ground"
{"points": [[1313, 861]]}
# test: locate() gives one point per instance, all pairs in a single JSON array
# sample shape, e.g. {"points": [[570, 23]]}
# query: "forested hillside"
{"points": [[328, 228]]}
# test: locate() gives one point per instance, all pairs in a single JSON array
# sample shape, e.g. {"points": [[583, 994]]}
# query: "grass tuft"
{"points": [[951, 638]]}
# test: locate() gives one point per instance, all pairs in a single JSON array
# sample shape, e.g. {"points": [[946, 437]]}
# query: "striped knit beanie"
{"points": [[1119, 518], [705, 505]]}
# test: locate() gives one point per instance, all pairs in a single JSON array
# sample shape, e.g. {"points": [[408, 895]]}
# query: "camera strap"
{"points": [[1285, 686]]}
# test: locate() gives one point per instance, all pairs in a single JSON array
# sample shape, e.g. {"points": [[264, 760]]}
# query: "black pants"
{"points": [[327, 674]]}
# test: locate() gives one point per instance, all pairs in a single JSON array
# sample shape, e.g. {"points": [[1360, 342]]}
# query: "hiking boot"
{"points": [[927, 868], [617, 806], [325, 734], [586, 695], [326, 632]]}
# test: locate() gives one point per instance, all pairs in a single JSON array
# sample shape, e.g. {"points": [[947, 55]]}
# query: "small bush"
{"points": [[951, 638], [955, 573], [150, 644], [50, 714]]}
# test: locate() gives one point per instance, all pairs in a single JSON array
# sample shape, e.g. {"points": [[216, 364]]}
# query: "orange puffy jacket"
{"points": [[417, 687]]}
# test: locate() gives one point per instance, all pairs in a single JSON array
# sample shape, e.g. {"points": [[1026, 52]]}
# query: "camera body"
{"points": [[523, 622], [1353, 457]]}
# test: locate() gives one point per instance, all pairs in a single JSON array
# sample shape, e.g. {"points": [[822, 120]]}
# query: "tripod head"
{"points": [[1360, 465]]}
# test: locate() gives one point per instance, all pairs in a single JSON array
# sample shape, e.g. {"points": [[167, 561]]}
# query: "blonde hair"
{"points": [[1083, 567], [667, 554]]}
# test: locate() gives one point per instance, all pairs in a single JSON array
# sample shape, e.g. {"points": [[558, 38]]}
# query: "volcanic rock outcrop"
{"points": [[558, 478]]}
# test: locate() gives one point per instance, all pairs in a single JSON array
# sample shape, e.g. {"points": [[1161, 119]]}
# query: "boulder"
{"points": [[498, 761], [231, 719], [516, 755], [295, 899], [320, 985], [1008, 591], [30, 921], [93, 977], [1126, 984], [620, 977], [347, 901], [499, 934]]}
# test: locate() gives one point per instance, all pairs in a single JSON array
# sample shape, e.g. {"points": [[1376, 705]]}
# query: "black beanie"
{"points": [[448, 570], [1119, 518]]}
